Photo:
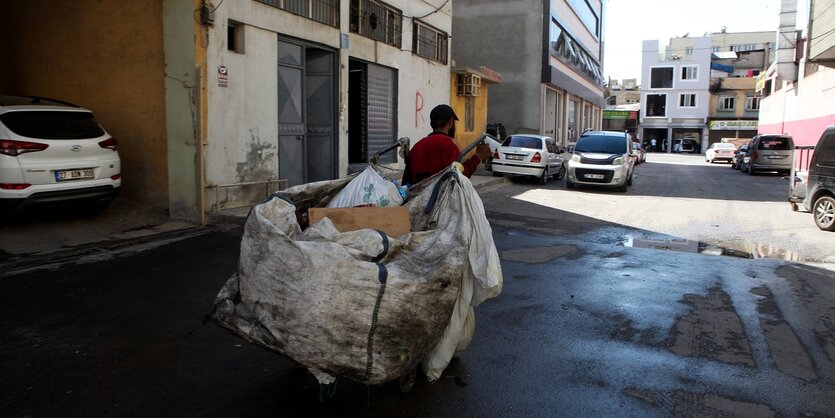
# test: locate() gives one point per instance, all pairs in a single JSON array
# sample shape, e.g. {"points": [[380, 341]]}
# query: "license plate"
{"points": [[594, 176], [776, 157], [515, 157], [80, 174]]}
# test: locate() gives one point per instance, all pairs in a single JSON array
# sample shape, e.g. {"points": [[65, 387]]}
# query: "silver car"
{"points": [[768, 153], [602, 158], [531, 156]]}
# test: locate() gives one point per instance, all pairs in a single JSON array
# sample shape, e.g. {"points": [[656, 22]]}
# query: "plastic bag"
{"points": [[368, 188]]}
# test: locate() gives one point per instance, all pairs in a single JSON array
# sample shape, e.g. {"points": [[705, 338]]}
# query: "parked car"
{"points": [[53, 152], [820, 186], [494, 145], [736, 159], [602, 158], [768, 153], [688, 144], [638, 152], [530, 155], [720, 151]]}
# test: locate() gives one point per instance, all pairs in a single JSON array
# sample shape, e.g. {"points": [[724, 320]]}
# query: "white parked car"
{"points": [[720, 151], [54, 152], [530, 155]]}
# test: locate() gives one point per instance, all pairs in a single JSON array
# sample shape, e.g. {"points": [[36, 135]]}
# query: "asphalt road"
{"points": [[585, 326]]}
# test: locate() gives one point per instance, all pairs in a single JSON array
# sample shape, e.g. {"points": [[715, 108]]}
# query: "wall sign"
{"points": [[222, 76]]}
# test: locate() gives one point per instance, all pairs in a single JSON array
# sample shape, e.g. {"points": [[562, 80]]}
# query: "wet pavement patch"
{"points": [[712, 329], [538, 255], [816, 288], [687, 404], [786, 350]]}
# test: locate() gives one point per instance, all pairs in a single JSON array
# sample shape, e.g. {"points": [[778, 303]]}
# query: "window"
{"points": [[715, 49], [587, 15], [322, 11], [656, 105], [752, 103], [661, 78], [611, 101], [235, 36], [726, 103], [687, 100], [688, 50], [469, 114], [430, 43], [376, 20], [690, 72]]}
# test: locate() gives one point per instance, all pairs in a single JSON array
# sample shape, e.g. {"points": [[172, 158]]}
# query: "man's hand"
{"points": [[482, 151]]}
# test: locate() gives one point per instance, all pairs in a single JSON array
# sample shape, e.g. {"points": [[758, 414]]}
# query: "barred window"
{"points": [[322, 11], [430, 43], [377, 20]]}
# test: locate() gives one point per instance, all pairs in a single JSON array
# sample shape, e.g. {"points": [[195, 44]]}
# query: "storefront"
{"points": [[736, 129], [621, 120]]}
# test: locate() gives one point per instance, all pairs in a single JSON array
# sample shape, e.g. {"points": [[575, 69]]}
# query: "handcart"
{"points": [[799, 175], [361, 304]]}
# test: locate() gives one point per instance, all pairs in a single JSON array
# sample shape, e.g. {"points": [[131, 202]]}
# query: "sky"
{"points": [[629, 22]]}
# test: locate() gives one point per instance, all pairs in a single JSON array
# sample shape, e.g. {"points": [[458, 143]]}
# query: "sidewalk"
{"points": [[34, 240]]}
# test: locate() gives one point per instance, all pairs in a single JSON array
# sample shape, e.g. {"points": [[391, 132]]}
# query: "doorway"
{"points": [[660, 137], [372, 115], [306, 112]]}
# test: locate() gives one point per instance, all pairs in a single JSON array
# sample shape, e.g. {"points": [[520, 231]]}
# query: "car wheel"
{"points": [[750, 170], [560, 174], [543, 179], [569, 184], [824, 213], [623, 187]]}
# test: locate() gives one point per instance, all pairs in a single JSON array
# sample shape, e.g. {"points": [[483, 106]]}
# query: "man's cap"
{"points": [[442, 113]]}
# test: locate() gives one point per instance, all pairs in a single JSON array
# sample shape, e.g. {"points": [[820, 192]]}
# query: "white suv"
{"points": [[602, 158], [52, 152]]}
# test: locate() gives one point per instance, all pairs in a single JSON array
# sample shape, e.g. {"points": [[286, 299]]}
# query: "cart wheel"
{"points": [[408, 376], [794, 207]]}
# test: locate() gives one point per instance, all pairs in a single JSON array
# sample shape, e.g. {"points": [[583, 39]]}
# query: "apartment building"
{"points": [[550, 55], [216, 103], [675, 96]]}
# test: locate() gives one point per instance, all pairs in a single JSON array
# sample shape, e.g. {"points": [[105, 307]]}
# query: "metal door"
{"points": [[382, 120], [306, 113], [291, 123], [319, 108]]}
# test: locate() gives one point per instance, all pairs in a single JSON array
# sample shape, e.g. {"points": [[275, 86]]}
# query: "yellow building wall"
{"points": [[106, 56], [458, 103]]}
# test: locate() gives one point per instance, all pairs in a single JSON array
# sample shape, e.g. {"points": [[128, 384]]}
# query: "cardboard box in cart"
{"points": [[394, 221]]}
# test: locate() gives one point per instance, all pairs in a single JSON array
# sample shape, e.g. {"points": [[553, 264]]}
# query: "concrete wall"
{"points": [[242, 132], [509, 39], [823, 31], [801, 110], [106, 56]]}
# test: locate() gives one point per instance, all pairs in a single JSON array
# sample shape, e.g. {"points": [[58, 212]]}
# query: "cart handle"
{"points": [[480, 140], [401, 143]]}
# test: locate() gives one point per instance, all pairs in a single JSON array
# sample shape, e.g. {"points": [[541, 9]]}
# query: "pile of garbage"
{"points": [[358, 302]]}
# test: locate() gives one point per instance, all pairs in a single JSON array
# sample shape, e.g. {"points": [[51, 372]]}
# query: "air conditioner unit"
{"points": [[469, 85]]}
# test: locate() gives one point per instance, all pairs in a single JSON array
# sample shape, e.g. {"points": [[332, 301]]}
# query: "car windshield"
{"points": [[774, 144], [52, 124], [603, 144], [523, 142], [724, 146]]}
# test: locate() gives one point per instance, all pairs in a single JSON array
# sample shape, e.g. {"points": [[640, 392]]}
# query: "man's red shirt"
{"points": [[433, 154]]}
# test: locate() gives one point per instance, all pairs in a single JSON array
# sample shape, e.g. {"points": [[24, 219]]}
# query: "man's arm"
{"points": [[471, 165]]}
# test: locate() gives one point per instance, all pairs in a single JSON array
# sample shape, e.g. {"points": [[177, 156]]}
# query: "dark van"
{"points": [[768, 153], [820, 188]]}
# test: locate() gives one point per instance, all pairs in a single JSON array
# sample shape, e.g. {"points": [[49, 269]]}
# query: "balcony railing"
{"points": [[322, 11]]}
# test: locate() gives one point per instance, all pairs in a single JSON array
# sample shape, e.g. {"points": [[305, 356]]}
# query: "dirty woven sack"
{"points": [[368, 188], [360, 304]]}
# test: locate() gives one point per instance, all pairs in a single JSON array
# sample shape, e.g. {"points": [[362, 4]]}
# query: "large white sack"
{"points": [[316, 296]]}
